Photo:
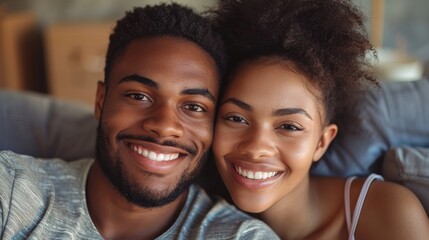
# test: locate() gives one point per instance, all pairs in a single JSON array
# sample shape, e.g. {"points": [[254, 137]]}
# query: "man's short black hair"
{"points": [[165, 20]]}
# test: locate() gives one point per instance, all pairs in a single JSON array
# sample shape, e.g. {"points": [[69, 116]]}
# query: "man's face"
{"points": [[156, 118]]}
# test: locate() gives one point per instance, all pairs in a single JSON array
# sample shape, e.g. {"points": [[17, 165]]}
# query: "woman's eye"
{"points": [[139, 97], [290, 127], [236, 119], [194, 108]]}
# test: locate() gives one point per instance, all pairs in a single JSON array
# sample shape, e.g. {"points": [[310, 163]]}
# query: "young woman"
{"points": [[295, 67]]}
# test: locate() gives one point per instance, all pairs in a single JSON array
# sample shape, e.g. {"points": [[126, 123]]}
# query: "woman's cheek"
{"points": [[222, 139]]}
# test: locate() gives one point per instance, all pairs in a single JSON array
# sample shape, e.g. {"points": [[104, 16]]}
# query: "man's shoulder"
{"points": [[45, 175], [42, 198], [214, 218], [19, 162], [16, 166], [11, 160]]}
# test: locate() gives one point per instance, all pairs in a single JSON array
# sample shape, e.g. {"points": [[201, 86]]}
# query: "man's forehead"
{"points": [[191, 89], [157, 57]]}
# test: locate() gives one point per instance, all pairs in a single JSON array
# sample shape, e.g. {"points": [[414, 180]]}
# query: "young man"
{"points": [[155, 109]]}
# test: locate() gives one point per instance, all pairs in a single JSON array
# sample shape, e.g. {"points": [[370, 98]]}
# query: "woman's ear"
{"points": [[328, 134], [99, 99]]}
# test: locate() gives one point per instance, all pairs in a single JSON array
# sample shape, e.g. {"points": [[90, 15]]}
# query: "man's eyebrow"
{"points": [[239, 103], [199, 91], [143, 80], [289, 111]]}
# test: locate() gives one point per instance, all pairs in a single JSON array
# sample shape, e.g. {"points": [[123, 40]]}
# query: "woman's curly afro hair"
{"points": [[325, 39]]}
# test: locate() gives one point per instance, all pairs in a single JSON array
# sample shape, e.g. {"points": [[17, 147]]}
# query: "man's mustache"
{"points": [[189, 149]]}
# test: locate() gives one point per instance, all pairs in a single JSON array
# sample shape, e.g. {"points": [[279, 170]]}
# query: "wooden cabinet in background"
{"points": [[21, 54], [75, 56]]}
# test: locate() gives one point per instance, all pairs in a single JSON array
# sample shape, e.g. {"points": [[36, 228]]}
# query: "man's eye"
{"points": [[194, 108], [139, 97]]}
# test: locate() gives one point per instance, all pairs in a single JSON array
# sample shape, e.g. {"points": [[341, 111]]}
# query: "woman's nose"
{"points": [[258, 143]]}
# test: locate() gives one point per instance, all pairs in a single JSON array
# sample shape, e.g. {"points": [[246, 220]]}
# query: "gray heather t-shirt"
{"points": [[45, 199]]}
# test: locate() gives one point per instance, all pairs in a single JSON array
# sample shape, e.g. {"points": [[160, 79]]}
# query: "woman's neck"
{"points": [[313, 210], [296, 215]]}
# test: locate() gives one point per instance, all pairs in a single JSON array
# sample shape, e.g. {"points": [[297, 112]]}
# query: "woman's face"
{"points": [[269, 130]]}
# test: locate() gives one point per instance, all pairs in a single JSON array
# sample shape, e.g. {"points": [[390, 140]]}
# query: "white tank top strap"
{"points": [[352, 223]]}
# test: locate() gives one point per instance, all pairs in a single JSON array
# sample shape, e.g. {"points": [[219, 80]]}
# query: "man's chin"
{"points": [[151, 198], [150, 194], [131, 188]]}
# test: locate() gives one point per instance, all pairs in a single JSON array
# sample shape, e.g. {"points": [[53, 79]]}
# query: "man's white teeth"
{"points": [[155, 156], [254, 175]]}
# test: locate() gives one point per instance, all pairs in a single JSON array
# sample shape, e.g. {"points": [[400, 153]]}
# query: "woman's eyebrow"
{"points": [[289, 111], [238, 103]]}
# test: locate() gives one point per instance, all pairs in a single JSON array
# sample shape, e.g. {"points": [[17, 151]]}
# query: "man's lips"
{"points": [[167, 143], [154, 156]]}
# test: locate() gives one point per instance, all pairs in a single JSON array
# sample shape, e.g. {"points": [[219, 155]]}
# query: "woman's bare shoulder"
{"points": [[392, 211]]}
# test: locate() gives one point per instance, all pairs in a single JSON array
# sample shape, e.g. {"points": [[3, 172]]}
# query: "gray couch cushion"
{"points": [[39, 125], [396, 115], [409, 166]]}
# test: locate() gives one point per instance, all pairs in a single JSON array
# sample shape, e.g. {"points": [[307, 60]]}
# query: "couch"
{"points": [[391, 137]]}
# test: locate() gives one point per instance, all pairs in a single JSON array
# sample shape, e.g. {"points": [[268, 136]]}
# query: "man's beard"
{"points": [[134, 192]]}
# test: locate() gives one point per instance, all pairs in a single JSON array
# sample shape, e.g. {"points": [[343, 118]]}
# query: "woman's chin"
{"points": [[250, 205]]}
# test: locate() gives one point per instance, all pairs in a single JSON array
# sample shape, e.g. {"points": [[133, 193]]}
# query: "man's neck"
{"points": [[116, 218]]}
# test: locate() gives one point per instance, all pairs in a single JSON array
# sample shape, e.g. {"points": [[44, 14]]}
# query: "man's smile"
{"points": [[155, 156]]}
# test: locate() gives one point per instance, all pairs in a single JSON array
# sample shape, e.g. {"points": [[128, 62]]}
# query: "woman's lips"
{"points": [[254, 175], [256, 178]]}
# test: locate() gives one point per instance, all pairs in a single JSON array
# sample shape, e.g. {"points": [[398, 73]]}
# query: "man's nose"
{"points": [[164, 121]]}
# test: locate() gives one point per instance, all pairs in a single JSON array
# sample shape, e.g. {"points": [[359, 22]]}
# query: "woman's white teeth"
{"points": [[254, 175], [155, 156]]}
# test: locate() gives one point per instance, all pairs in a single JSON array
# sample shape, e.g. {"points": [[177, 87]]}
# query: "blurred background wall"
{"points": [[58, 46], [51, 11], [406, 25]]}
